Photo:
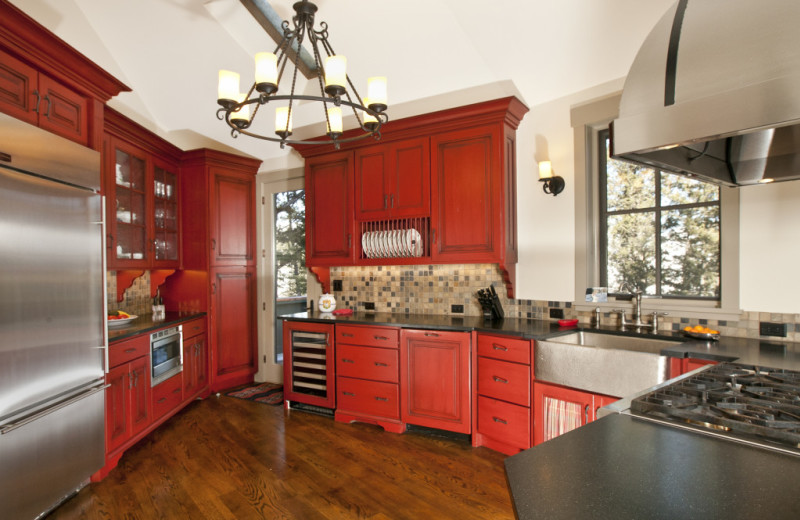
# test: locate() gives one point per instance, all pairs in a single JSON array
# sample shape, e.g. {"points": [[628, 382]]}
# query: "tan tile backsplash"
{"points": [[136, 299], [432, 289]]}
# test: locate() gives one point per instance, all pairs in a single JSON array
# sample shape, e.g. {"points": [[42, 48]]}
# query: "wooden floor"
{"points": [[229, 458]]}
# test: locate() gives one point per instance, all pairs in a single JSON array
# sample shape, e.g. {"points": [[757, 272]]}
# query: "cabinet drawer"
{"points": [[167, 395], [194, 328], [379, 364], [367, 397], [128, 350], [508, 423], [507, 381], [386, 337], [504, 348]]}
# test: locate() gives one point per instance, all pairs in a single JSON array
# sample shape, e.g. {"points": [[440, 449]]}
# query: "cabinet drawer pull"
{"points": [[381, 338], [345, 360], [499, 347], [500, 380], [177, 390], [130, 350], [586, 414], [384, 399], [385, 199], [38, 100], [379, 364], [47, 110], [351, 394], [499, 420], [213, 244], [432, 334], [346, 335], [162, 400]]}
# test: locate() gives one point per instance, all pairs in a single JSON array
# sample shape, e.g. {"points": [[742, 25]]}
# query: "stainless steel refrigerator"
{"points": [[53, 341]]}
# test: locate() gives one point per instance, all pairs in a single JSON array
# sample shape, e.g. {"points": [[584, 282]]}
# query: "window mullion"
{"points": [[657, 230]]}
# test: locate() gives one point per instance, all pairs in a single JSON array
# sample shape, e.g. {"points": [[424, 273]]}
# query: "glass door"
{"points": [[165, 215], [130, 191]]}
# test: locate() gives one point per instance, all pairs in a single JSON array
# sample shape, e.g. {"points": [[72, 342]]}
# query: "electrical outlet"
{"points": [[557, 313], [337, 285], [766, 328], [369, 306], [459, 309]]}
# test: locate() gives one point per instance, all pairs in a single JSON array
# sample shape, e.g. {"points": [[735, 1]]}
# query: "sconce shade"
{"points": [[545, 170], [553, 184]]}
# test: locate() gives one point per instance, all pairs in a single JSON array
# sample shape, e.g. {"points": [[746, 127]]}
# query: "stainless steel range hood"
{"points": [[714, 92]]}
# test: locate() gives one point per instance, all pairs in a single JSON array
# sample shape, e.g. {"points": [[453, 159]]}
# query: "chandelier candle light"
{"points": [[333, 84]]}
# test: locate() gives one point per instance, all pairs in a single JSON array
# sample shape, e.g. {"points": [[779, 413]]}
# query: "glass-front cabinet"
{"points": [[142, 201]]}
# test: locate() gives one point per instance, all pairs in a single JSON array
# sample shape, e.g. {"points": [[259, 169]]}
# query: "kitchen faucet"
{"points": [[636, 294]]}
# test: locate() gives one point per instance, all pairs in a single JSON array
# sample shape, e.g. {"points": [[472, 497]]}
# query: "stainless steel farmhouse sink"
{"points": [[609, 364]]}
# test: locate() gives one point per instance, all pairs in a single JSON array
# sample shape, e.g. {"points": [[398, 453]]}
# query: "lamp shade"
{"points": [[266, 68], [334, 120], [283, 120], [336, 71], [228, 87], [545, 170], [376, 90]]}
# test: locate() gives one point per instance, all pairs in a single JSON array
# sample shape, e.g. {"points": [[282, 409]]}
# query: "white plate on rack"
{"points": [[416, 242], [364, 248]]}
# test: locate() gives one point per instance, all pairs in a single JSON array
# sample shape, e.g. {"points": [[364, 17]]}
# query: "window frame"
{"points": [[587, 120], [656, 209]]}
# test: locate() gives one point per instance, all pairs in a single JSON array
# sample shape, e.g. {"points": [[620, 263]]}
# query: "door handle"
{"points": [[213, 244], [586, 414], [47, 110], [38, 100], [13, 426], [385, 204]]}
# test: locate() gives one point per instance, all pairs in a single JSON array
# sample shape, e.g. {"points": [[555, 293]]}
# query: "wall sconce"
{"points": [[553, 184]]}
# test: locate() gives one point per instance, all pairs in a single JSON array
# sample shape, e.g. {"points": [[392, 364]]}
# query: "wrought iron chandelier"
{"points": [[333, 85]]}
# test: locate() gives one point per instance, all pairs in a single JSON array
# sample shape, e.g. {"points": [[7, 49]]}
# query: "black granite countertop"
{"points": [[619, 467], [741, 350], [145, 324]]}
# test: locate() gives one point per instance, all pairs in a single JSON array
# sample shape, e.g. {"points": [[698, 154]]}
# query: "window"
{"points": [[658, 232]]}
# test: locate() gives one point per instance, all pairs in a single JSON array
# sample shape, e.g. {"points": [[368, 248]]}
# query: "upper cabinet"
{"points": [[47, 83], [142, 197], [437, 188], [393, 180]]}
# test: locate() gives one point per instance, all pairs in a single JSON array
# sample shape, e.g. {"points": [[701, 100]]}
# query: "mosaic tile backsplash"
{"points": [[136, 299], [432, 289]]}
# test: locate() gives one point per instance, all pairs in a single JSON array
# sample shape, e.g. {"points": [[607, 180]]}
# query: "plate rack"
{"points": [[404, 238]]}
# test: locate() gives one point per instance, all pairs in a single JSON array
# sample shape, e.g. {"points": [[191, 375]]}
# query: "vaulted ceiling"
{"points": [[436, 53]]}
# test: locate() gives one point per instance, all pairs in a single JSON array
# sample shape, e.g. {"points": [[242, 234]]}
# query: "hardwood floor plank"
{"points": [[225, 458]]}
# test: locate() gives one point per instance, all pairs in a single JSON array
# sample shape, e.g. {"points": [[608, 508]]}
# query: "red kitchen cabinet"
{"points": [[166, 396], [558, 410], [503, 393], [127, 402], [195, 359], [40, 100], [309, 373], [329, 210], [217, 197], [435, 379], [392, 180], [367, 376], [142, 197], [233, 310]]}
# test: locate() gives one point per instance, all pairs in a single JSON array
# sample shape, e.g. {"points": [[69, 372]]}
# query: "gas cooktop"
{"points": [[744, 403]]}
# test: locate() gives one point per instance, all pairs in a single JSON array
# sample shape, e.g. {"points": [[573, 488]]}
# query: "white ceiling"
{"points": [[436, 53]]}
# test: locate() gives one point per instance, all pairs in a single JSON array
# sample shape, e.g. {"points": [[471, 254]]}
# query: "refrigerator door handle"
{"points": [[103, 245], [13, 426]]}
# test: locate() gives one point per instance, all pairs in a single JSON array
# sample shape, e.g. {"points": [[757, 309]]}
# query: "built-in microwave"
{"points": [[166, 354]]}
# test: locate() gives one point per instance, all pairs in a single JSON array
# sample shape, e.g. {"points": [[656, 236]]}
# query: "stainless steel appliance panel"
{"points": [[48, 458], [52, 333]]}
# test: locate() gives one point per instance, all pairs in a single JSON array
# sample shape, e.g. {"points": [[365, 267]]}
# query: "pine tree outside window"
{"points": [[659, 232]]}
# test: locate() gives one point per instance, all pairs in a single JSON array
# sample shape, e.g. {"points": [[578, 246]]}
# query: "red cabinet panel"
{"points": [[233, 199], [386, 337], [329, 210], [233, 307], [17, 83], [195, 365], [167, 396], [377, 364], [504, 348], [127, 401], [359, 396], [466, 218], [502, 380], [124, 351], [558, 410], [435, 379], [509, 422]]}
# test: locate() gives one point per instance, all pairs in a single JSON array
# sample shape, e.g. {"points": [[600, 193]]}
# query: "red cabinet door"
{"points": [[140, 394], [558, 410], [372, 183], [467, 218], [127, 182], [63, 111], [234, 349], [232, 210], [17, 84], [329, 212], [435, 379], [117, 407]]}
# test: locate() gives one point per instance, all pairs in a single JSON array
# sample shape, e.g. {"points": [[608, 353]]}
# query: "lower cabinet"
{"points": [[127, 401], [367, 376], [558, 410], [308, 364], [195, 366], [167, 396], [435, 379], [503, 408], [233, 304]]}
